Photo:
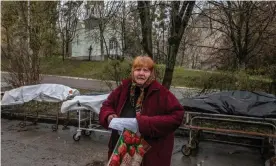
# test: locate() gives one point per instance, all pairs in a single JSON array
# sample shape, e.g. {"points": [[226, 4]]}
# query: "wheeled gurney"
{"points": [[240, 113], [84, 104], [50, 93]]}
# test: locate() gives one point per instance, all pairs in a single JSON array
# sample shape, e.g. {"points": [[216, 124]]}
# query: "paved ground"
{"points": [[38, 146]]}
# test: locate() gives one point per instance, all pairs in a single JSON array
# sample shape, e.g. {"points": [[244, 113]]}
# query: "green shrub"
{"points": [[233, 81], [115, 70], [220, 81], [160, 71]]}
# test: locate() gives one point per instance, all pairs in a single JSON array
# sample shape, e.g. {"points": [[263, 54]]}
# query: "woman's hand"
{"points": [[110, 117]]}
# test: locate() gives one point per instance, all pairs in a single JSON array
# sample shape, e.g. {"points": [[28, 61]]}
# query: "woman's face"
{"points": [[141, 75]]}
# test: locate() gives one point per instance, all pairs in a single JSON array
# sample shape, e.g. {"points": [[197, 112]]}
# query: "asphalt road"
{"points": [[40, 146], [95, 85]]}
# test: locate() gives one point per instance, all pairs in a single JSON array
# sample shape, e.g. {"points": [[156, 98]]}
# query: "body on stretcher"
{"points": [[232, 113], [46, 93]]}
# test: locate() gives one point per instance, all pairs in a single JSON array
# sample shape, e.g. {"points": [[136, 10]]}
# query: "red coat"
{"points": [[161, 115]]}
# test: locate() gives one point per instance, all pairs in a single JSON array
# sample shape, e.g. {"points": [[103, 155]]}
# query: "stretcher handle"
{"points": [[230, 131]]}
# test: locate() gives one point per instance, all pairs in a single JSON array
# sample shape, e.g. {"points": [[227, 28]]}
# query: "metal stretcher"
{"points": [[195, 128], [87, 108], [88, 118]]}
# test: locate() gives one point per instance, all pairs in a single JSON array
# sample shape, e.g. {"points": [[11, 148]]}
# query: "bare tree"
{"points": [[68, 18], [146, 24], [243, 26], [179, 16], [25, 26]]}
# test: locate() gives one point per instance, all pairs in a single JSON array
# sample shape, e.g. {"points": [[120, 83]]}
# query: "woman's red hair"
{"points": [[143, 61]]}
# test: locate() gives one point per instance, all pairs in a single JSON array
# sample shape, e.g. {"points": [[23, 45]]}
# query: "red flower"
{"points": [[141, 150], [131, 151], [133, 140], [127, 133], [128, 140], [115, 160], [122, 149], [128, 137], [137, 140]]}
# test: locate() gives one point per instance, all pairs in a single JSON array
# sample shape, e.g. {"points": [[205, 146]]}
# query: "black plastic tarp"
{"points": [[242, 103]]}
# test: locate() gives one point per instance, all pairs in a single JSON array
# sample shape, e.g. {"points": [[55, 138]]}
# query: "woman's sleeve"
{"points": [[108, 106], [162, 125]]}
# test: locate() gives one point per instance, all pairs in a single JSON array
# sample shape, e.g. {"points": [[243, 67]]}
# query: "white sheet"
{"points": [[39, 92], [92, 103], [121, 123]]}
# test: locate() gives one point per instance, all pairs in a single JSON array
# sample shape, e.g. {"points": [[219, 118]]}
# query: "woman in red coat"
{"points": [[156, 109]]}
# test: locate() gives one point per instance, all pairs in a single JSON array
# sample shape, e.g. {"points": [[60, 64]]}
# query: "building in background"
{"points": [[87, 45]]}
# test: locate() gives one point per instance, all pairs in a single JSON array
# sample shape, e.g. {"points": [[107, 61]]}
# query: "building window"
{"points": [[113, 47], [113, 44]]}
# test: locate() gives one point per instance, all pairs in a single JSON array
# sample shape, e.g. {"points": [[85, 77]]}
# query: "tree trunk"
{"points": [[163, 36], [63, 48], [182, 57], [167, 80], [146, 22], [102, 42], [67, 48], [123, 30], [179, 22], [158, 52], [8, 43]]}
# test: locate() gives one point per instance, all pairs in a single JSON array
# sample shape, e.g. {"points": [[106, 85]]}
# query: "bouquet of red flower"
{"points": [[129, 150]]}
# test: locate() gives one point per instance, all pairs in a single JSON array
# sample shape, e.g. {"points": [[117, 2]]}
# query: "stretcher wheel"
{"points": [[54, 127], [76, 138], [65, 125], [35, 122], [186, 151], [22, 124], [11, 117], [86, 133], [194, 144]]}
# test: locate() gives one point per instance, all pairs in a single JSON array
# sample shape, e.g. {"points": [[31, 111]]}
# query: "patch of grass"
{"points": [[182, 77], [76, 68]]}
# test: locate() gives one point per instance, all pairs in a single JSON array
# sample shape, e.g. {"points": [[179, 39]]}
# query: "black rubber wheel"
{"points": [[11, 116], [76, 138], [83, 132], [186, 151], [87, 133], [194, 144], [22, 124], [54, 127], [35, 122]]}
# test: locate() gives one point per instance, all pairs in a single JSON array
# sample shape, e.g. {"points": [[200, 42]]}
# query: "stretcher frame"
{"points": [[35, 115], [193, 139], [26, 115], [87, 129]]}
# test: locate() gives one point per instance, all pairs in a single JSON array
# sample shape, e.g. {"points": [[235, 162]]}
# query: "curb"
{"points": [[71, 77]]}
